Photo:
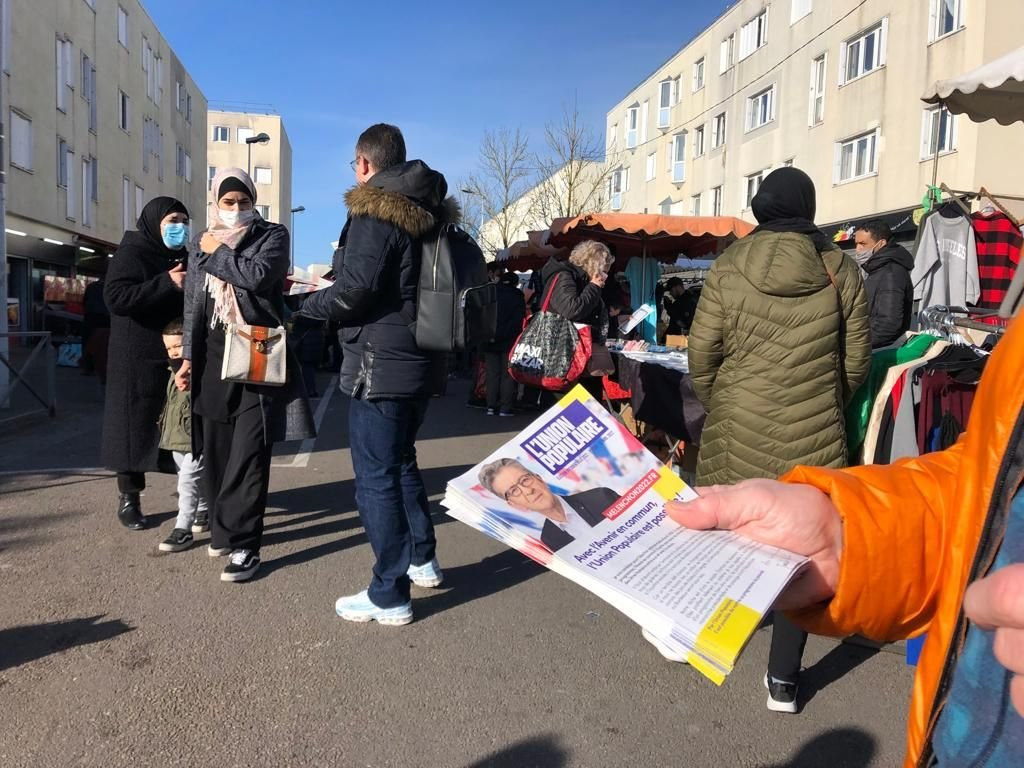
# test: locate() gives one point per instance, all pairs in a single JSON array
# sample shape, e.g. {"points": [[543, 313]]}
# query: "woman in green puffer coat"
{"points": [[780, 342]]}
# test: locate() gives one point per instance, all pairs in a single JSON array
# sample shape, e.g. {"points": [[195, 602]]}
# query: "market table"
{"points": [[662, 397]]}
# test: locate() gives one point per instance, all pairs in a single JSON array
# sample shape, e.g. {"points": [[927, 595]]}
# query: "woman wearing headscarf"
{"points": [[779, 344], [236, 276], [144, 293]]}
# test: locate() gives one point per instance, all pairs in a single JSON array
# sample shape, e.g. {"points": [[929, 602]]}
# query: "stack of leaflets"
{"points": [[579, 494]]}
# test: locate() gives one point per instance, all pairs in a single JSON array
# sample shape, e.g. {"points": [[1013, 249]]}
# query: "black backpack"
{"points": [[456, 305]]}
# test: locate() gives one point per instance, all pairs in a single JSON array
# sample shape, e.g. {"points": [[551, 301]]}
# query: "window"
{"points": [[665, 88], [88, 190], [753, 184], [801, 8], [698, 74], [65, 80], [679, 158], [615, 189], [727, 54], [127, 204], [698, 141], [652, 166], [159, 95], [5, 23], [221, 134], [761, 108], [122, 28], [816, 110], [718, 131], [264, 212], [89, 89], [148, 67], [645, 109], [179, 160], [632, 126], [21, 141], [188, 168], [262, 175], [695, 205], [864, 53], [91, 4], [665, 207], [716, 201], [856, 158], [754, 34], [179, 96], [124, 118], [70, 198], [62, 163], [938, 132], [140, 200], [188, 107], [211, 171], [244, 133], [944, 18]]}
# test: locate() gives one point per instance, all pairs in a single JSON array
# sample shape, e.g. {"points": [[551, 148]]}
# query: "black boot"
{"points": [[129, 512]]}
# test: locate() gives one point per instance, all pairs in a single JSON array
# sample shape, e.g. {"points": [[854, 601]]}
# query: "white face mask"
{"points": [[863, 256], [232, 219]]}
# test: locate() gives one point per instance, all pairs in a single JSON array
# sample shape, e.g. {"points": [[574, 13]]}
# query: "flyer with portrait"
{"points": [[578, 493]]}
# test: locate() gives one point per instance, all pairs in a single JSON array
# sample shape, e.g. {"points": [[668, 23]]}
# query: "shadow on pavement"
{"points": [[538, 752], [839, 748], [465, 583], [840, 661], [19, 645]]}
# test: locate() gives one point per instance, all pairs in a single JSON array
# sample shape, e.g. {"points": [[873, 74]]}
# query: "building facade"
{"points": [[101, 117], [830, 86], [271, 168]]}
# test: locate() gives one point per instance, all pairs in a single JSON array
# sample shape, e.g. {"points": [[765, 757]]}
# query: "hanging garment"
{"points": [[998, 243], [947, 393], [892, 376], [858, 412], [946, 262], [643, 277]]}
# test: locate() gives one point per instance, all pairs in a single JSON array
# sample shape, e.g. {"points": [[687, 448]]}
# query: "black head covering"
{"points": [[786, 202], [235, 184], [149, 224]]}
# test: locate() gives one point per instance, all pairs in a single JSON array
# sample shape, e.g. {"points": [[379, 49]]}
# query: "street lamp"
{"points": [[259, 138], [291, 258]]}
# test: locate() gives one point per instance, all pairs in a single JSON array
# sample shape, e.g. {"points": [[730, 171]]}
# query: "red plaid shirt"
{"points": [[999, 243]]}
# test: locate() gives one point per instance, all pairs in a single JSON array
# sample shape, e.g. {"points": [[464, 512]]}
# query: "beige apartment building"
{"points": [[101, 117], [271, 168], [830, 86]]}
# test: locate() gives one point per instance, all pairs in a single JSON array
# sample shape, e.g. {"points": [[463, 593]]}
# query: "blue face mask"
{"points": [[175, 235]]}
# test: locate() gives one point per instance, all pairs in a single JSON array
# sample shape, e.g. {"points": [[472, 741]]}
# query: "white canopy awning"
{"points": [[994, 91]]}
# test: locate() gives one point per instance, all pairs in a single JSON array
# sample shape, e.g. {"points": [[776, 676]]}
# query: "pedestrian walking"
{"points": [[176, 437], [389, 379], [779, 344], [143, 292], [511, 310], [237, 273]]}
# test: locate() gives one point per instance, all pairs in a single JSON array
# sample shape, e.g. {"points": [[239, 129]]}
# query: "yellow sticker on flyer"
{"points": [[729, 628]]}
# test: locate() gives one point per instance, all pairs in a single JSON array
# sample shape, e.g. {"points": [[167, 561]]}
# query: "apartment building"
{"points": [[830, 86], [101, 118], [232, 139]]}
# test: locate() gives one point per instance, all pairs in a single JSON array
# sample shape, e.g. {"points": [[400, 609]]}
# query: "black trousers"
{"points": [[236, 478], [787, 650], [501, 387], [131, 482]]}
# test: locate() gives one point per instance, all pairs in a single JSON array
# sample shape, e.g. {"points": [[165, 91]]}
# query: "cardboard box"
{"points": [[676, 341]]}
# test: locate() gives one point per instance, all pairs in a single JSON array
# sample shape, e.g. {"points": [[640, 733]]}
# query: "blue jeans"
{"points": [[392, 501]]}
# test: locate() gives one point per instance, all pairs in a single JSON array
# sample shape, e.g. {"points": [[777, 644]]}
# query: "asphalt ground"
{"points": [[112, 654]]}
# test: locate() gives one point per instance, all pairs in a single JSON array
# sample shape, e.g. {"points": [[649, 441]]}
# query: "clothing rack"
{"points": [[958, 196], [943, 320]]}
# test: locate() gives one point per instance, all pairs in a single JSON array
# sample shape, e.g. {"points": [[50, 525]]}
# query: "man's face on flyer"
{"points": [[523, 490]]}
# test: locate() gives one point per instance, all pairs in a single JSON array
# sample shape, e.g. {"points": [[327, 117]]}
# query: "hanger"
{"points": [[995, 202], [955, 199]]}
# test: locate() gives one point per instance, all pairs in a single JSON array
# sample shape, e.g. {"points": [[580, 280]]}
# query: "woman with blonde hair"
{"points": [[576, 286]]}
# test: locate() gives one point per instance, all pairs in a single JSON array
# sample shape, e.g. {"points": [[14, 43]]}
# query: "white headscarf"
{"points": [[225, 303]]}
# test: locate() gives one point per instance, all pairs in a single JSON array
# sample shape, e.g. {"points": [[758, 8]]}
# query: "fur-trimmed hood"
{"points": [[411, 196]]}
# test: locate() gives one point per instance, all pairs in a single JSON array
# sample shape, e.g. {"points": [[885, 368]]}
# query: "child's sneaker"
{"points": [[178, 541]]}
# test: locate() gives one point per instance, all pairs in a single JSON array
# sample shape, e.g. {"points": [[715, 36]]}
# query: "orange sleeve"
{"points": [[896, 520]]}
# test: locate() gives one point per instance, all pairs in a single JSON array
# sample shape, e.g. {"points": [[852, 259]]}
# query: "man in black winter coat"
{"points": [[501, 387], [394, 206], [887, 267]]}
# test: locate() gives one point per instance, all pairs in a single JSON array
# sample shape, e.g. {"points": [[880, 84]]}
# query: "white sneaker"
{"points": [[663, 649], [427, 575]]}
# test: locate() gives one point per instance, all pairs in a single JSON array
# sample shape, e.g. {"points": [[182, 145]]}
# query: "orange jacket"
{"points": [[913, 530]]}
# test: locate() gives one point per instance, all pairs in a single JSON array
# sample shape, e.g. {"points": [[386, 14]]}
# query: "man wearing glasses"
{"points": [[566, 518]]}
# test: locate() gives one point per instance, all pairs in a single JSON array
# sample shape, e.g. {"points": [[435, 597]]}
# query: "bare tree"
{"points": [[574, 168], [469, 203], [506, 174]]}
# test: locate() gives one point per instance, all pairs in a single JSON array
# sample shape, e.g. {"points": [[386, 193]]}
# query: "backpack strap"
{"points": [[547, 298]]}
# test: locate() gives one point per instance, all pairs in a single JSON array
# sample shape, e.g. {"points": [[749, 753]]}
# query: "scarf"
{"points": [[225, 303], [786, 202]]}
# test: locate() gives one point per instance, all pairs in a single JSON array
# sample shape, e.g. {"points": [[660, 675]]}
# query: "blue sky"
{"points": [[444, 72]]}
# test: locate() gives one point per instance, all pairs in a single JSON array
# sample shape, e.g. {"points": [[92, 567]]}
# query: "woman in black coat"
{"points": [[144, 292]]}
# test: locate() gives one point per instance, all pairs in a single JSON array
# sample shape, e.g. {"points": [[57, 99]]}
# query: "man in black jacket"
{"points": [[890, 290], [389, 379], [501, 387]]}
